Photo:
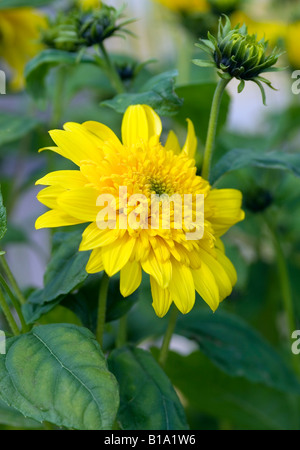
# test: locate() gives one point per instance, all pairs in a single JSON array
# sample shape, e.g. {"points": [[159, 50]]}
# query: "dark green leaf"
{"points": [[236, 402], [237, 349], [58, 374], [84, 303], [3, 223], [13, 128], [148, 399], [197, 105], [65, 272], [38, 68], [158, 93], [241, 158]]}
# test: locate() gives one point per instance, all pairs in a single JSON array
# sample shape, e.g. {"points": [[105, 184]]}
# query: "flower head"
{"points": [[124, 178], [19, 34], [238, 54], [84, 27]]}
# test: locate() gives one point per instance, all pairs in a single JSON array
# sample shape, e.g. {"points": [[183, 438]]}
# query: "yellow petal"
{"points": [[103, 133], [206, 286], [116, 255], [161, 271], [49, 195], [161, 298], [80, 203], [95, 263], [76, 146], [191, 142], [93, 237], [220, 274], [140, 122], [69, 179], [173, 143], [130, 278], [55, 218], [182, 288], [228, 266], [226, 206]]}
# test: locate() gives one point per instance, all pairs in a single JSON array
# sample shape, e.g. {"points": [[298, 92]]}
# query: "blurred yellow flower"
{"points": [[89, 4], [19, 34], [177, 266], [271, 31], [186, 5], [292, 40]]}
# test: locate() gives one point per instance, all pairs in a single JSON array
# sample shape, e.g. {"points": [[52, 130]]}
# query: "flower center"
{"points": [[159, 187]]}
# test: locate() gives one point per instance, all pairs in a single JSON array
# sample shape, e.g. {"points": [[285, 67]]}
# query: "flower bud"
{"points": [[239, 55]]}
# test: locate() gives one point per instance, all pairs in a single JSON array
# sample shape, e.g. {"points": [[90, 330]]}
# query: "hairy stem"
{"points": [[8, 315], [212, 127], [168, 336], [113, 74], [102, 308], [12, 280]]}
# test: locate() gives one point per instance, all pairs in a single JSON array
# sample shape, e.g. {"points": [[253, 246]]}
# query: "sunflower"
{"points": [[19, 34], [177, 265]]}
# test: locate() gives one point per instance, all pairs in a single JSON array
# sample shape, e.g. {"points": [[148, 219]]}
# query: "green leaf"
{"points": [[241, 158], [197, 105], [58, 374], [148, 400], [13, 127], [37, 69], [8, 4], [3, 219], [11, 417], [84, 303], [65, 272], [238, 349], [236, 402], [158, 93]]}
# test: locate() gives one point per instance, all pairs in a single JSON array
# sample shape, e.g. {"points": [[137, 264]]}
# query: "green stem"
{"points": [[58, 103], [15, 304], [114, 76], [122, 332], [168, 336], [285, 286], [212, 127], [9, 317], [102, 308], [12, 280], [284, 280]]}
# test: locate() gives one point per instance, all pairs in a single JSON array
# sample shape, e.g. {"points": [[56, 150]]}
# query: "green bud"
{"points": [[62, 33], [100, 24], [239, 55]]}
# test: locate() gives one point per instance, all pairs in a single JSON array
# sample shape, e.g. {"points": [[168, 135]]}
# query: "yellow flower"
{"points": [[186, 5], [89, 4], [177, 266], [19, 34], [292, 40]]}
